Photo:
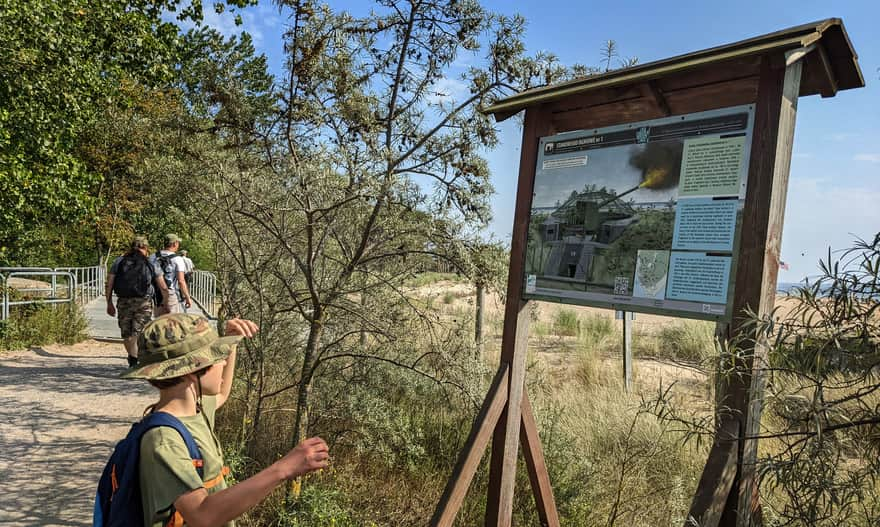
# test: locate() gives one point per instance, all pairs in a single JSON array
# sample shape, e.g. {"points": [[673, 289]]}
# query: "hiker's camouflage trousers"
{"points": [[133, 315]]}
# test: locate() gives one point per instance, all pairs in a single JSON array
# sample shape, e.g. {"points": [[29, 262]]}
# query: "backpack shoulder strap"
{"points": [[165, 419]]}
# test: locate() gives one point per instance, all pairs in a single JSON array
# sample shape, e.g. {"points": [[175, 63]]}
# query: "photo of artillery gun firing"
{"points": [[579, 227], [570, 243]]}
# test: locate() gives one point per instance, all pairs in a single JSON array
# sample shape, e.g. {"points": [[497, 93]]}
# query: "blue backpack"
{"points": [[118, 500], [165, 262]]}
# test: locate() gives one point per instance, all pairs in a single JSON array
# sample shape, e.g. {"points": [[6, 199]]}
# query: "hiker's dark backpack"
{"points": [[118, 500], [166, 263], [133, 278]]}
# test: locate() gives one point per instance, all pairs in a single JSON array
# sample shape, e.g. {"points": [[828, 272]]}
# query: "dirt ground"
{"points": [[62, 409]]}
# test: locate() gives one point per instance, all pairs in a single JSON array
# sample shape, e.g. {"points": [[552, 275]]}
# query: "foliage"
{"points": [[370, 174], [612, 462], [64, 65], [818, 446], [821, 464], [684, 340], [40, 324], [596, 327], [566, 323], [320, 506], [489, 263]]}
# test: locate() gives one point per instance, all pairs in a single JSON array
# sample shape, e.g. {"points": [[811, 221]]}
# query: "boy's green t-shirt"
{"points": [[166, 469]]}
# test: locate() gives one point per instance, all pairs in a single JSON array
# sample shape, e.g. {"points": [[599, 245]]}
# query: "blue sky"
{"points": [[833, 192]]}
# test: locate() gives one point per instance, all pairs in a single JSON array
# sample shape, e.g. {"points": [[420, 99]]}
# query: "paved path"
{"points": [[62, 408], [103, 326]]}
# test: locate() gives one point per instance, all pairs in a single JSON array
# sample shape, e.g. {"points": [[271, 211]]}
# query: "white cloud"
{"points": [[842, 136], [447, 91], [818, 216], [871, 158], [253, 21], [225, 24]]}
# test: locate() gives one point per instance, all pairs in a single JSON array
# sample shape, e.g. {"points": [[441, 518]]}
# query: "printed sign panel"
{"points": [[643, 216]]}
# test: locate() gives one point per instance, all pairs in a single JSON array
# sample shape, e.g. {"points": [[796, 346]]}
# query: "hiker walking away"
{"points": [[193, 368], [188, 268], [134, 280], [173, 268]]}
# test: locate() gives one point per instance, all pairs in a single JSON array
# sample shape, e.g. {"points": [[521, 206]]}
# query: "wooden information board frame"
{"points": [[769, 72]]}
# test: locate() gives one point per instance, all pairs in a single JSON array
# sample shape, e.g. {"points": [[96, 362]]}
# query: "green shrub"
{"points": [[604, 447], [448, 297], [539, 329], [566, 323], [596, 328], [39, 324], [590, 371], [318, 506], [645, 344], [690, 340]]}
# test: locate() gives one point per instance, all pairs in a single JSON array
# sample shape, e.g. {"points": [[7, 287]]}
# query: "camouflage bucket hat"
{"points": [[174, 345]]}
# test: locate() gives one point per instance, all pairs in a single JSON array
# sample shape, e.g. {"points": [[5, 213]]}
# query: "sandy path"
{"points": [[62, 408]]}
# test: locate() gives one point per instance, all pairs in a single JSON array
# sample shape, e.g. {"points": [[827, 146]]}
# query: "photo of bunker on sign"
{"points": [[641, 217]]}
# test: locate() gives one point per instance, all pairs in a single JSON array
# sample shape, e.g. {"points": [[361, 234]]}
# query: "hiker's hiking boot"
{"points": [[132, 361]]}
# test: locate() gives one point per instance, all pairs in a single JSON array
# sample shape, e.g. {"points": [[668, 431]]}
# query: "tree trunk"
{"points": [[301, 423], [480, 312]]}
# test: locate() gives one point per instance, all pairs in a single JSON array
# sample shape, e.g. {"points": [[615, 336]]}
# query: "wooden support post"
{"points": [[717, 479], [778, 192], [503, 407], [514, 342], [627, 351], [536, 466], [740, 406], [469, 458], [505, 445], [829, 88]]}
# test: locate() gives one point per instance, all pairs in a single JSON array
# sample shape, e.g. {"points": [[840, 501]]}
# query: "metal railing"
{"points": [[84, 284], [90, 282], [203, 291], [78, 284], [36, 294]]}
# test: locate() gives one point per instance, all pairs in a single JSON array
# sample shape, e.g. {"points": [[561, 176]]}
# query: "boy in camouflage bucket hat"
{"points": [[172, 346], [193, 368]]}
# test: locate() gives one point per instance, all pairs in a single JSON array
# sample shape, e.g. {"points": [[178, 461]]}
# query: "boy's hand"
{"points": [[308, 456], [111, 309], [240, 326]]}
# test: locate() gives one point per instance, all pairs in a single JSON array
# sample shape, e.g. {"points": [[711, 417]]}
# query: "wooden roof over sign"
{"points": [[831, 64]]}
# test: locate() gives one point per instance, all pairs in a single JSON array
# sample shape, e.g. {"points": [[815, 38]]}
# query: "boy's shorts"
{"points": [[133, 315]]}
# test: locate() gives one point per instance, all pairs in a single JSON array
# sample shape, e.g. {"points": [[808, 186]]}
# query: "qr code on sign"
{"points": [[621, 285]]}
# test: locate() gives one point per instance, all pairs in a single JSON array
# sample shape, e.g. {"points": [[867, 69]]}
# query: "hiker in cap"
{"points": [[173, 268], [188, 268], [193, 368], [135, 281]]}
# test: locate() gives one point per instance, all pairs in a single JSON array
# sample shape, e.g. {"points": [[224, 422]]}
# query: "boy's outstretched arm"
{"points": [[199, 509], [235, 326]]}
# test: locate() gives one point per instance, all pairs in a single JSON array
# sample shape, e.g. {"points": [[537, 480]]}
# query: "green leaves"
{"points": [[63, 65]]}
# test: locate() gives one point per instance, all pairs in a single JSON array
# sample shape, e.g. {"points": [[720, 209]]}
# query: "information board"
{"points": [[641, 217]]}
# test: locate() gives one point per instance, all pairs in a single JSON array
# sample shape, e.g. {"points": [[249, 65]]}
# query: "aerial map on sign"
{"points": [[643, 216]]}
